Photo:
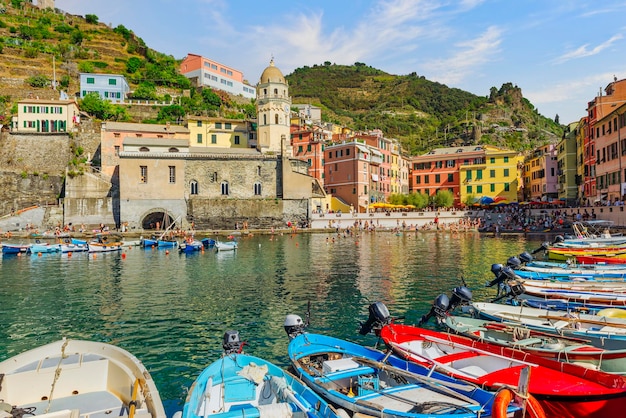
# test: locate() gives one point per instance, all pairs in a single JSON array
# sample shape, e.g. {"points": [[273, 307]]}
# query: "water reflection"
{"points": [[171, 309]]}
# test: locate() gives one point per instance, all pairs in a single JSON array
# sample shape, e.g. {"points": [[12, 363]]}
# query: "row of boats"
{"points": [[466, 371], [103, 244]]}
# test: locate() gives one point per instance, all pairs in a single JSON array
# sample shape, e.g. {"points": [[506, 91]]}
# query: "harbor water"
{"points": [[171, 310]]}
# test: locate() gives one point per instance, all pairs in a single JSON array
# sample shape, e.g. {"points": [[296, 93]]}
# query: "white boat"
{"points": [[601, 331], [225, 245], [73, 248], [75, 378]]}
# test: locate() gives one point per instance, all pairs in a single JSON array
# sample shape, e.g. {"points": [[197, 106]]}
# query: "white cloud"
{"points": [[583, 51], [471, 56]]}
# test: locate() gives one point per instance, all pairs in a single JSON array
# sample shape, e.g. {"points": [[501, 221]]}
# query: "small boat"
{"points": [[225, 245], [567, 253], [44, 248], [562, 389], [367, 381], [240, 385], [544, 344], [103, 246], [131, 243], [208, 242], [16, 248], [69, 247], [589, 259], [601, 331], [167, 243], [149, 242], [72, 378], [190, 246]]}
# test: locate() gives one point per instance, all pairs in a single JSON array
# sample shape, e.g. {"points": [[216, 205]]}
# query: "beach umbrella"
{"points": [[486, 200]]}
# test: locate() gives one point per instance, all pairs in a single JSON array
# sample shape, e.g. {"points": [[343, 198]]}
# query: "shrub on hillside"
{"points": [[86, 67], [38, 81], [92, 19]]}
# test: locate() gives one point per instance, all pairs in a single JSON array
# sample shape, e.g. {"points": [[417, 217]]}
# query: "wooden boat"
{"points": [[563, 390], [544, 344], [15, 248], [240, 385], [68, 247], [74, 378], [367, 381], [104, 247], [601, 331], [573, 264], [225, 245], [593, 260]]}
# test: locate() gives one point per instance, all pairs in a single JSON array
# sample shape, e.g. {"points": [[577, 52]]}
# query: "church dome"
{"points": [[272, 75]]}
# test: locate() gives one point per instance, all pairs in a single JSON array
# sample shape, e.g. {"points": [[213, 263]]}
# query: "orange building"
{"points": [[439, 170], [308, 145], [205, 72]]}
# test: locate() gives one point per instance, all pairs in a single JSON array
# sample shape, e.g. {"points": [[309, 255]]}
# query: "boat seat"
{"points": [[456, 356], [527, 341]]}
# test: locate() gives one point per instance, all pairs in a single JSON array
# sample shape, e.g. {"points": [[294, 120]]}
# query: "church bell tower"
{"points": [[273, 113]]}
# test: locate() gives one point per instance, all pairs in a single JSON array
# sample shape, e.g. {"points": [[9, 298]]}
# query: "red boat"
{"points": [[564, 390], [596, 259]]}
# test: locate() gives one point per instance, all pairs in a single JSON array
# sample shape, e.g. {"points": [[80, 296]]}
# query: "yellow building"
{"points": [[46, 116], [496, 174], [217, 132]]}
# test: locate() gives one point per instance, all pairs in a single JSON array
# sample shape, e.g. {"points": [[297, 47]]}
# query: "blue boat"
{"points": [[15, 249], [208, 242], [367, 381], [44, 248], [190, 247], [166, 243], [240, 385], [149, 242]]}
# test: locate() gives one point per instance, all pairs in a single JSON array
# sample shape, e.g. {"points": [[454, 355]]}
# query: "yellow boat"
{"points": [[563, 254]]}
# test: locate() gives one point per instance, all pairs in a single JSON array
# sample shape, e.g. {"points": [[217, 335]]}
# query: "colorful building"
{"points": [[205, 72], [46, 116], [540, 174], [110, 87], [351, 173], [221, 132], [566, 165], [610, 143]]}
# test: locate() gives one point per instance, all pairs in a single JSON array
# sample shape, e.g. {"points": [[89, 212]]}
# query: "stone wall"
{"points": [[221, 214]]}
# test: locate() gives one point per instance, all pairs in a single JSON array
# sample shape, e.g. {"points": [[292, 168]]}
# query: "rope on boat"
{"points": [[57, 373]]}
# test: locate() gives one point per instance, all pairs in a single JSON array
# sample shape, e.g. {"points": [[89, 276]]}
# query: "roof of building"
{"points": [[47, 101], [272, 74], [221, 150], [455, 150], [144, 127]]}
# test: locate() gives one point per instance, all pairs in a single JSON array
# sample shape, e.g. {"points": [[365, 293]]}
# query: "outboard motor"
{"points": [[460, 296], [513, 262], [506, 273], [544, 246], [231, 342], [525, 257], [438, 310], [378, 318], [294, 326], [558, 238], [496, 269], [511, 289]]}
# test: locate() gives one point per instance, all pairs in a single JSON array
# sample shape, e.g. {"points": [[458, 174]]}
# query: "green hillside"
{"points": [[39, 46]]}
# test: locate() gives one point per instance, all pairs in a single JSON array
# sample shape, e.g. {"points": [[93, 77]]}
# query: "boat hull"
{"points": [[563, 389], [359, 379], [84, 376], [229, 388]]}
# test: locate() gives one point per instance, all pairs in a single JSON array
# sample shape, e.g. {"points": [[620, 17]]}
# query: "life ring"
{"points": [[504, 398]]}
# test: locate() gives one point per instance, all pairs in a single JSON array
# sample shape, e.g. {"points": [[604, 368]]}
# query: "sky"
{"points": [[561, 53]]}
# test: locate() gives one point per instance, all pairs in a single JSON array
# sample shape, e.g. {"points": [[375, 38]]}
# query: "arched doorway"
{"points": [[158, 220]]}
